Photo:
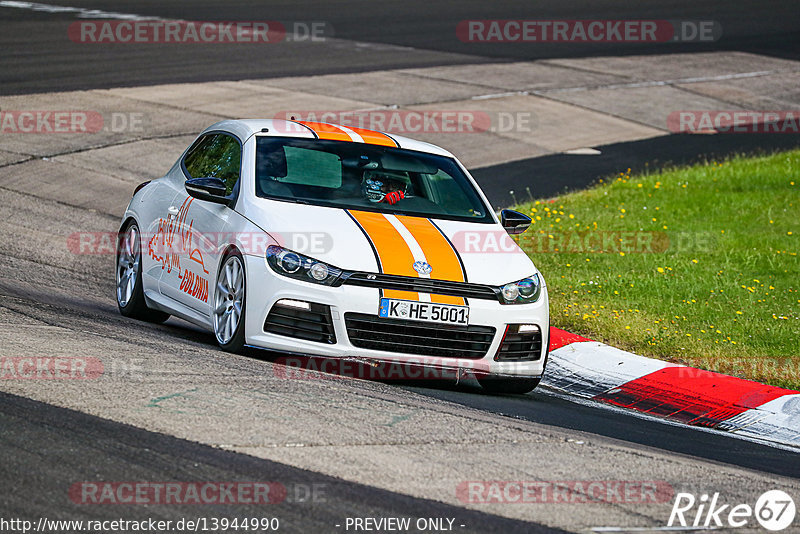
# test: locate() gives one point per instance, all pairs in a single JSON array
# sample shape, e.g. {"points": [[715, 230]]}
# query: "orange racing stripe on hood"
{"points": [[438, 252], [394, 255], [396, 258]]}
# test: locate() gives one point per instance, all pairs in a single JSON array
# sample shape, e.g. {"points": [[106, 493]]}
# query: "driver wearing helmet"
{"points": [[384, 186]]}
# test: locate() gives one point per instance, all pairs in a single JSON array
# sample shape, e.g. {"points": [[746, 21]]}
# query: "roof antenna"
{"points": [[292, 118]]}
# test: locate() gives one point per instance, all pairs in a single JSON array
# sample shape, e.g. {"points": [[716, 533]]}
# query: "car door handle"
{"points": [[173, 210]]}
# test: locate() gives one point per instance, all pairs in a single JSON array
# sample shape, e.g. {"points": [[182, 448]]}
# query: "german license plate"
{"points": [[424, 311]]}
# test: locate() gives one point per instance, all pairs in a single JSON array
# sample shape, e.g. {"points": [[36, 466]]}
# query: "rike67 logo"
{"points": [[774, 510]]}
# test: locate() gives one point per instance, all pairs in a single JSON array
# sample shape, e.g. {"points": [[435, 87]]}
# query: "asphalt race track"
{"points": [[72, 446], [170, 406]]}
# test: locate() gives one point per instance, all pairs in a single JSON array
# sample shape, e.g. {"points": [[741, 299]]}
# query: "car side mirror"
{"points": [[514, 222], [209, 189]]}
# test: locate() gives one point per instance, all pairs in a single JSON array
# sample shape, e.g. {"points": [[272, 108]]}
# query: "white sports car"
{"points": [[317, 239]]}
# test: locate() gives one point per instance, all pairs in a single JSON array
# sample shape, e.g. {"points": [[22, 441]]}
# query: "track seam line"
{"points": [[109, 92], [698, 93], [97, 147], [61, 203]]}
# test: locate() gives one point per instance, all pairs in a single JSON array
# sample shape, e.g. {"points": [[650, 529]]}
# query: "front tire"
{"points": [[229, 303], [514, 386], [130, 295]]}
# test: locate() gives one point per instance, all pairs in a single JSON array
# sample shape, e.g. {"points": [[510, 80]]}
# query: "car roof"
{"points": [[245, 128]]}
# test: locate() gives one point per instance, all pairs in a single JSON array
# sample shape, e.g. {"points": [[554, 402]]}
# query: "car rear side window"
{"points": [[215, 155]]}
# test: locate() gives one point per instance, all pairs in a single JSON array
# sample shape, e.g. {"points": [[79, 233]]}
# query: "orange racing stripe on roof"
{"points": [[327, 131], [332, 132], [375, 138]]}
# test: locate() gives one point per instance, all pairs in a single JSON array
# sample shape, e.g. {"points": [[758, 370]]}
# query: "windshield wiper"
{"points": [[287, 199]]}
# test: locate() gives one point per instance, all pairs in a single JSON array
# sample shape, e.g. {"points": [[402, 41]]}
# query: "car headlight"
{"points": [[523, 291], [295, 265]]}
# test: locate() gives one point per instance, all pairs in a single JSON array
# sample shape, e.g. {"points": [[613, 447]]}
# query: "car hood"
{"points": [[368, 241]]}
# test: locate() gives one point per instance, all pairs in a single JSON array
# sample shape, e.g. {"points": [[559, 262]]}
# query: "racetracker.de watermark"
{"points": [[173, 240], [587, 31], [313, 368], [69, 122], [50, 368], [563, 492], [734, 121], [600, 242], [178, 493], [706, 367], [197, 32], [399, 121], [583, 242]]}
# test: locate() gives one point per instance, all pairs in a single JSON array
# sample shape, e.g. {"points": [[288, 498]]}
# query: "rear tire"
{"points": [[512, 386], [130, 295]]}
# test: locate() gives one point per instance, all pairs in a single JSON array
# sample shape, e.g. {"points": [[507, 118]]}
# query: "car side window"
{"points": [[215, 155]]}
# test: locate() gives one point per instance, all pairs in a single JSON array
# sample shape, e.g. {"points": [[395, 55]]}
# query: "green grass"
{"points": [[707, 275]]}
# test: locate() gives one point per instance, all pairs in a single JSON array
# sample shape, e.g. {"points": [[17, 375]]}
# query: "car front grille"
{"points": [[418, 338], [422, 285], [313, 324], [520, 346]]}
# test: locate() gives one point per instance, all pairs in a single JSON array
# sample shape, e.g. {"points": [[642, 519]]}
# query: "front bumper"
{"points": [[265, 288]]}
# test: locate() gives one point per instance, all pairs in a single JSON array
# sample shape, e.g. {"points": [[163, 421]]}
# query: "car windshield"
{"points": [[365, 177]]}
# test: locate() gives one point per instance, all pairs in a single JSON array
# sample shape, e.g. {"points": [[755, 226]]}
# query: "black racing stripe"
{"points": [[460, 262], [392, 138], [309, 128]]}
